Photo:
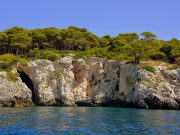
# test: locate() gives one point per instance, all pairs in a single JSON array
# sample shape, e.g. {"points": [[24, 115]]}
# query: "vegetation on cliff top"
{"points": [[50, 43]]}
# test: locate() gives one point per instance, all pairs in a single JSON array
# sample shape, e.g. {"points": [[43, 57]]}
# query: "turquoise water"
{"points": [[87, 121]]}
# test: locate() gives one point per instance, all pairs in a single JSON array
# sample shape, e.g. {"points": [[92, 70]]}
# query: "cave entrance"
{"points": [[26, 79]]}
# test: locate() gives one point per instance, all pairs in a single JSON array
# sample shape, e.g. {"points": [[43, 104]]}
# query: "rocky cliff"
{"points": [[14, 93], [92, 82]]}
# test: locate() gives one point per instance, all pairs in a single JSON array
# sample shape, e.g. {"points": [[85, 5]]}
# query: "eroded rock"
{"points": [[14, 93], [97, 82]]}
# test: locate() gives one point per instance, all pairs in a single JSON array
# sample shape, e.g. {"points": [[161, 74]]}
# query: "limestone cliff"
{"points": [[14, 93], [94, 82]]}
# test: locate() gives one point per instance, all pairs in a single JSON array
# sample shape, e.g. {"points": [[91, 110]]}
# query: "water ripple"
{"points": [[87, 121]]}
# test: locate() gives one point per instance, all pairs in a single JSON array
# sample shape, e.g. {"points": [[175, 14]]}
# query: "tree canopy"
{"points": [[39, 43], [148, 35]]}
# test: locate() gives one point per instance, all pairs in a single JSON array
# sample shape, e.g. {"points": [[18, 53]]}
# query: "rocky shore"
{"points": [[92, 82]]}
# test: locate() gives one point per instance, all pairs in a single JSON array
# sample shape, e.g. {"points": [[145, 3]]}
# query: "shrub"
{"points": [[50, 55], [80, 55], [7, 60], [34, 53], [12, 76], [97, 52], [57, 72], [43, 54], [167, 49], [150, 69], [158, 56]]}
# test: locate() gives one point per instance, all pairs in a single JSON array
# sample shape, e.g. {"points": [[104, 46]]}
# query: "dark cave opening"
{"points": [[26, 79]]}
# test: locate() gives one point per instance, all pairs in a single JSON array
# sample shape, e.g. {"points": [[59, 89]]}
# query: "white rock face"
{"points": [[53, 81], [14, 93], [158, 90], [100, 82]]}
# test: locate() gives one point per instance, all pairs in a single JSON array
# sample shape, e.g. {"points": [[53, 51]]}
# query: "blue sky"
{"points": [[99, 16]]}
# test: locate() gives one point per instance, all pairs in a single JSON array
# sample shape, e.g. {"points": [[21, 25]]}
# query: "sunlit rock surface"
{"points": [[14, 93], [95, 82]]}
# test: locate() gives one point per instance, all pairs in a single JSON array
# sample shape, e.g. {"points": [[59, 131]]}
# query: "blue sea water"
{"points": [[87, 121]]}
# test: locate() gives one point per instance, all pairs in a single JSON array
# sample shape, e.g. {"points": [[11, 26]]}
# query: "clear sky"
{"points": [[99, 16]]}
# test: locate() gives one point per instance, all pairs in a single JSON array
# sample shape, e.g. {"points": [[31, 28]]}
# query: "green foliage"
{"points": [[148, 35], [150, 69], [80, 55], [57, 72], [16, 40], [157, 56], [50, 55], [43, 54], [97, 52], [49, 43], [167, 49], [137, 49], [12, 76], [39, 39], [34, 53], [3, 39], [103, 42], [7, 60], [128, 37], [175, 52]]}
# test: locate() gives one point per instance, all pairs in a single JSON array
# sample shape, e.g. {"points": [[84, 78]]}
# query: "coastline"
{"points": [[94, 82]]}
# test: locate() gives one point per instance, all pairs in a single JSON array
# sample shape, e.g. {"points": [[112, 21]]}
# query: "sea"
{"points": [[88, 121]]}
